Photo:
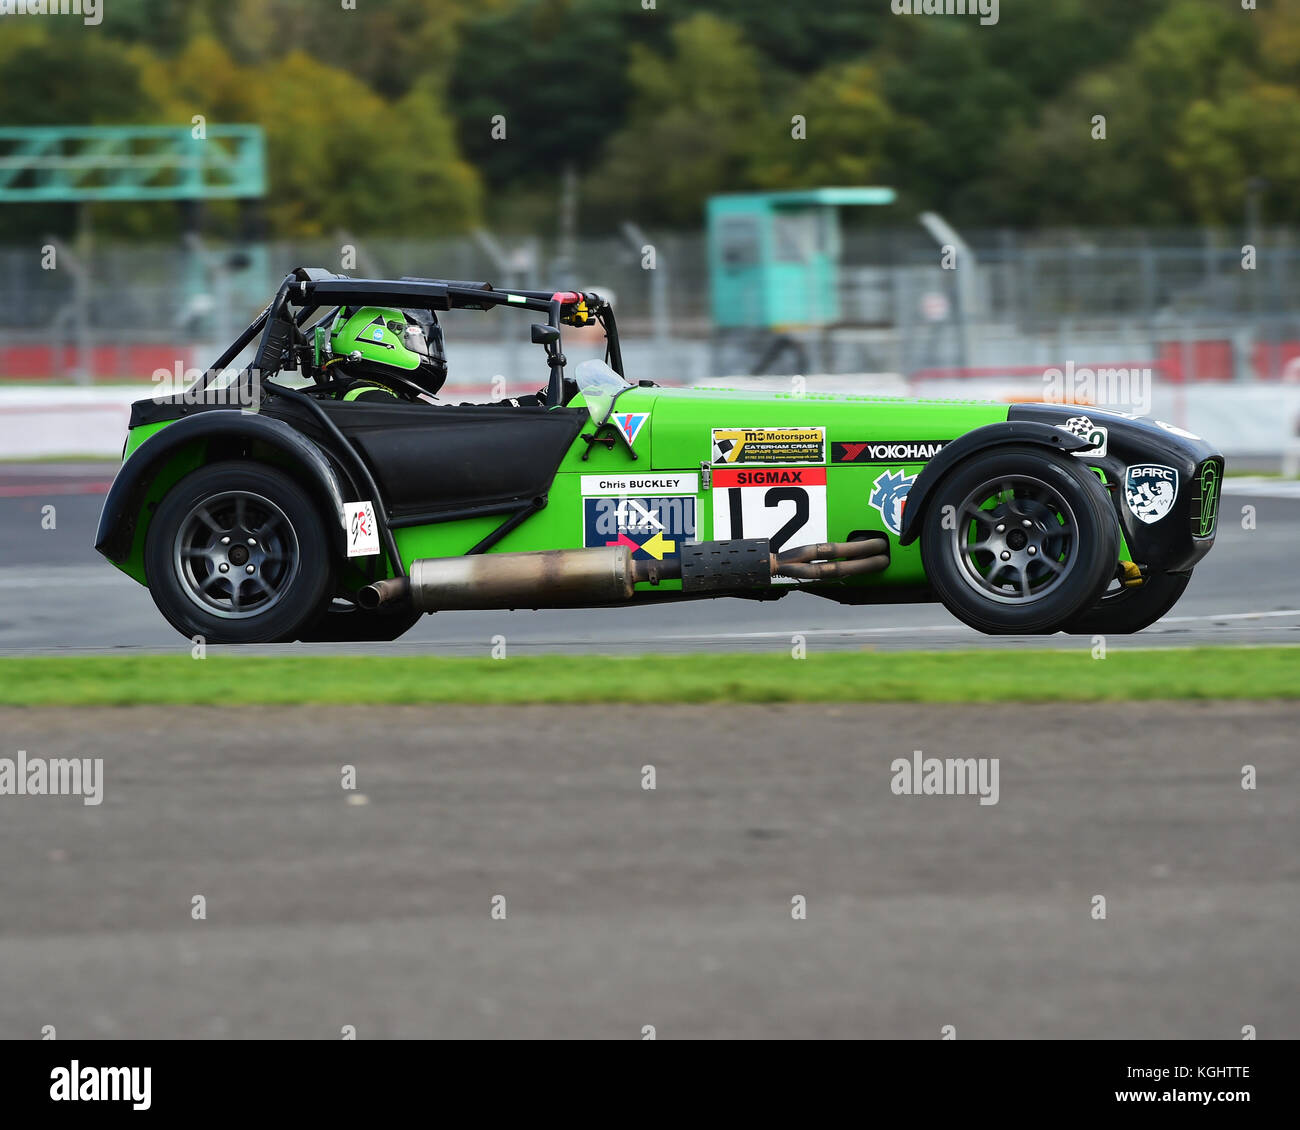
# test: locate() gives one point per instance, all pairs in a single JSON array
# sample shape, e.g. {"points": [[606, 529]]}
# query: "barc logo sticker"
{"points": [[1150, 490], [888, 493]]}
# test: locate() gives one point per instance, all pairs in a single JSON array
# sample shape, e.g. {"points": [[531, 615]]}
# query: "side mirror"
{"points": [[545, 335]]}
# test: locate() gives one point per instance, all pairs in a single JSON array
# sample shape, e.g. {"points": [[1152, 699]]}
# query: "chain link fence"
{"points": [[1196, 301]]}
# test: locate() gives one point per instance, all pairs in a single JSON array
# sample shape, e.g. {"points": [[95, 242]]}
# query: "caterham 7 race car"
{"points": [[322, 491]]}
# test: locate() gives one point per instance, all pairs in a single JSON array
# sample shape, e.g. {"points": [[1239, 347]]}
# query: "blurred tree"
{"points": [[558, 71], [690, 128], [848, 125], [1050, 170]]}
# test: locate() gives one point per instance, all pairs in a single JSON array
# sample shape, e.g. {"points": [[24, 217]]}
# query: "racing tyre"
{"points": [[1034, 541], [237, 553], [346, 623], [1122, 611]]}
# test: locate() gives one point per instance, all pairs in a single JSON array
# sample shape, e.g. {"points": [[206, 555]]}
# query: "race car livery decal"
{"points": [[629, 424], [1173, 431], [363, 531], [888, 495], [641, 484], [1205, 511], [887, 451], [769, 445], [787, 506], [1096, 435], [651, 526], [1150, 489]]}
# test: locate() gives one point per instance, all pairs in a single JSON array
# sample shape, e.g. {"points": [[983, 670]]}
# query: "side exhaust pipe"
{"points": [[567, 577]]}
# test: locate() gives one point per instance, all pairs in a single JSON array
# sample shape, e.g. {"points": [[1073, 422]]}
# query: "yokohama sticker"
{"points": [[786, 505], [769, 445], [887, 451]]}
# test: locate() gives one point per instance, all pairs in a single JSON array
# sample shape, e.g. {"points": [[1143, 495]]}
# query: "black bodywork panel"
{"points": [[1174, 543], [1179, 539], [432, 460]]}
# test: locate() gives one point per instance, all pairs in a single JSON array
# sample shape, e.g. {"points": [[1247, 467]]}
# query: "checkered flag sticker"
{"points": [[721, 449]]}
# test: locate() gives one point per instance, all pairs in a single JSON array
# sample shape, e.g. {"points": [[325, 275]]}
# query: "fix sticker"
{"points": [[769, 445], [363, 530], [629, 424], [651, 526], [786, 505], [888, 495]]}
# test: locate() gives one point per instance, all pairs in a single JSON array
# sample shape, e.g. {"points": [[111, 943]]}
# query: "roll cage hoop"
{"points": [[311, 289]]}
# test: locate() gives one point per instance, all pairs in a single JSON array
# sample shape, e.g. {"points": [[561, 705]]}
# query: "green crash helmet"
{"points": [[386, 346]]}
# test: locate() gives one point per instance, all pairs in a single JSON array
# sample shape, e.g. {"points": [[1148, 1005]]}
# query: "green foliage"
{"points": [[380, 115], [692, 120], [836, 676]]}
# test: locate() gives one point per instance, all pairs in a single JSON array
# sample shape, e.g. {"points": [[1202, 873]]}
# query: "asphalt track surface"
{"points": [[626, 907], [58, 595]]}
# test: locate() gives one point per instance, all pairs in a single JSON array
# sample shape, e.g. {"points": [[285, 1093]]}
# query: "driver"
{"points": [[375, 354]]}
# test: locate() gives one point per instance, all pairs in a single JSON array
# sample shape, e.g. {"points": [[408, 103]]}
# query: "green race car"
{"points": [[322, 492]]}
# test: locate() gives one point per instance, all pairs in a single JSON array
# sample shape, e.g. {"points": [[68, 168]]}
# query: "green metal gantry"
{"points": [[80, 164]]}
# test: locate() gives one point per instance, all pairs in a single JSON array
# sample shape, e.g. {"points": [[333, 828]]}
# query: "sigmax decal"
{"points": [[769, 445], [786, 506]]}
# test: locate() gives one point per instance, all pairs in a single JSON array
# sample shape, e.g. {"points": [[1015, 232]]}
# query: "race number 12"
{"points": [[785, 505]]}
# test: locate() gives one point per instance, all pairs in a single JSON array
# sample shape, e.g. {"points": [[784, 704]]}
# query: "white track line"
{"points": [[1289, 612]]}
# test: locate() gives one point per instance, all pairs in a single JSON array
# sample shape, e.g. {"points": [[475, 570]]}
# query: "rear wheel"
{"points": [[1121, 611], [1019, 540], [237, 553]]}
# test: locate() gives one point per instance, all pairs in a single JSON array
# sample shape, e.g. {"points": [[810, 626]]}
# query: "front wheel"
{"points": [[238, 553], [1019, 540], [1122, 611]]}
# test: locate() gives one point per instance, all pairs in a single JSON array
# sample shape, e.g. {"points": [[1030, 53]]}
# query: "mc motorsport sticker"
{"points": [[887, 451], [888, 494], [769, 445], [1150, 490], [652, 526], [787, 506]]}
